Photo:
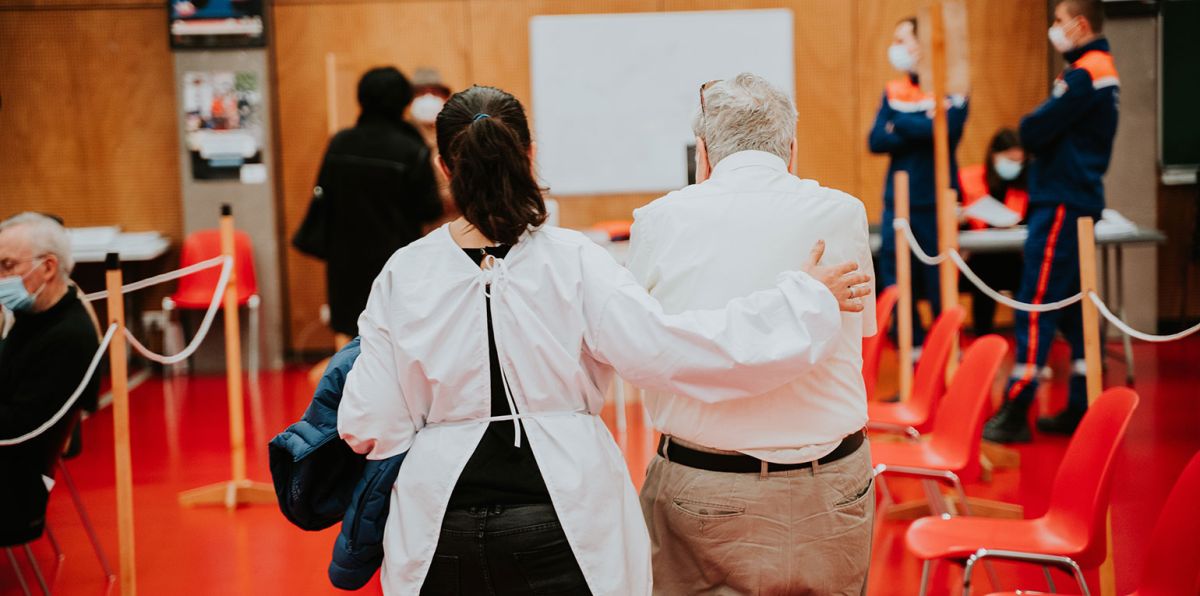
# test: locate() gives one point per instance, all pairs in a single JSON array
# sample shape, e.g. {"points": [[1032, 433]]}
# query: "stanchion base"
{"points": [[995, 456], [912, 510], [230, 493]]}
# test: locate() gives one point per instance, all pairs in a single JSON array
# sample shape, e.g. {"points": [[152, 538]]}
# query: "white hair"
{"points": [[45, 237], [745, 113]]}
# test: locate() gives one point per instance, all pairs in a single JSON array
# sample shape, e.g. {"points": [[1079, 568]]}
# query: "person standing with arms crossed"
{"points": [[1070, 139], [903, 130]]}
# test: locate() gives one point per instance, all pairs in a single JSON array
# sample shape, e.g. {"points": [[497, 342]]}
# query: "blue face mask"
{"points": [[1007, 168], [13, 294]]}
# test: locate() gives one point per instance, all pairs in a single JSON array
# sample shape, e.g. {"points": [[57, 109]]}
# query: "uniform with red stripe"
{"points": [[1070, 139]]}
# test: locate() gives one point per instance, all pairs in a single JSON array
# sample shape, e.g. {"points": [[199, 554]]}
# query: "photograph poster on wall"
{"points": [[223, 125]]}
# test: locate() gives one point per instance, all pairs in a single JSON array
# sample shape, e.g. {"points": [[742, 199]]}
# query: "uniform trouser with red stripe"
{"points": [[1051, 273]]}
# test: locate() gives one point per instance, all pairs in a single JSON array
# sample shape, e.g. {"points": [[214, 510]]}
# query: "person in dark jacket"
{"points": [[378, 182], [903, 130], [43, 359], [320, 481], [1070, 138]]}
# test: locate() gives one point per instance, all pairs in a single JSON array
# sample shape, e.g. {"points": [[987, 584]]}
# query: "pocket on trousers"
{"points": [[855, 497], [708, 509], [551, 570], [443, 577]]}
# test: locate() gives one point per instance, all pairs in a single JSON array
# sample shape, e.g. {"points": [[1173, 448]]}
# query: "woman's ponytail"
{"points": [[483, 136]]}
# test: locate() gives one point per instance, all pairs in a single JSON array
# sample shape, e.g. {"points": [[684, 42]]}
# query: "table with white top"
{"points": [[91, 245]]}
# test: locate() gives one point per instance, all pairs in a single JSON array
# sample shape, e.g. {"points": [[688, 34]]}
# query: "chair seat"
{"points": [[915, 455], [960, 537], [898, 413]]}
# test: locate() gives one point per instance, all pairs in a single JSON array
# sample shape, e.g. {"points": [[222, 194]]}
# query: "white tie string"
{"points": [[492, 277]]}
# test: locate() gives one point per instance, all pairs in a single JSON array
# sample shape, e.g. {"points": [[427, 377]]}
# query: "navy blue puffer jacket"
{"points": [[319, 480]]}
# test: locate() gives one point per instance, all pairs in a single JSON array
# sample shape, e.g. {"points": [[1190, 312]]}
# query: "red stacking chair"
{"points": [[872, 347], [195, 291], [1173, 557], [952, 450], [1070, 534], [929, 381]]}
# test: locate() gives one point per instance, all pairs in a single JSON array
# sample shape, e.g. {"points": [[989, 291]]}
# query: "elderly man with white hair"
{"points": [[43, 358], [769, 494]]}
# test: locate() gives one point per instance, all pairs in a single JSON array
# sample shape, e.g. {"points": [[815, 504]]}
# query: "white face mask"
{"points": [[425, 109], [1007, 168], [900, 58], [1058, 38]]}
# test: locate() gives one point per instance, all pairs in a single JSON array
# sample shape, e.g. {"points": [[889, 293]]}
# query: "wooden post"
{"points": [[904, 322], [117, 362], [947, 199], [240, 489], [1094, 355]]}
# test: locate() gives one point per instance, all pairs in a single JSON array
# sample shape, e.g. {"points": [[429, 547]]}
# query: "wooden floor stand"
{"points": [[230, 493], [916, 509], [999, 457]]}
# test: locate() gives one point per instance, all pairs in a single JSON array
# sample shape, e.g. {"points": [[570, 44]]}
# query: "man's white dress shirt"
{"points": [[731, 235]]}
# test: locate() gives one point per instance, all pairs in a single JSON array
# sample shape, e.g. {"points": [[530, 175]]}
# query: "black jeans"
{"points": [[516, 549]]}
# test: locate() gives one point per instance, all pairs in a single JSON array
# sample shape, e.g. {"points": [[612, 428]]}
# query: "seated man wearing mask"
{"points": [[42, 361], [769, 494]]}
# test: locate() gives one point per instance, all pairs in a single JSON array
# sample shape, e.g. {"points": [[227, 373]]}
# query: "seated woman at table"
{"points": [[1000, 178]]}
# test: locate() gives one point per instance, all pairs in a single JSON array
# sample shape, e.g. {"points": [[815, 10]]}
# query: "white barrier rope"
{"points": [[1130, 331], [1005, 300], [956, 258], [66, 407], [204, 325], [157, 279]]}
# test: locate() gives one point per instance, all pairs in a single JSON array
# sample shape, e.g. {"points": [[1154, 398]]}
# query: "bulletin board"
{"points": [[614, 94]]}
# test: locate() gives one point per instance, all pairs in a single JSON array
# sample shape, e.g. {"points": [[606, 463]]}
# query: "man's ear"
{"points": [[794, 161], [443, 167], [703, 168]]}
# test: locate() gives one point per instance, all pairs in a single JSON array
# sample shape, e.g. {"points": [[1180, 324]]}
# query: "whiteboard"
{"points": [[614, 94]]}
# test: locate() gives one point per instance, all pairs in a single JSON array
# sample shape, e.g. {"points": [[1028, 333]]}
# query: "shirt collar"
{"points": [[749, 159], [1100, 43]]}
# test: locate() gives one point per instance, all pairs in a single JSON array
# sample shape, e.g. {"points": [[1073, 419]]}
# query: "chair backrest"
{"points": [[196, 290], [929, 377], [958, 425], [1173, 559], [1079, 495], [872, 348]]}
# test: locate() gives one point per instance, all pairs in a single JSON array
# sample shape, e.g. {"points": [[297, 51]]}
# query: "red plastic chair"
{"points": [[1173, 557], [929, 381], [195, 291], [872, 347], [952, 450], [1070, 534]]}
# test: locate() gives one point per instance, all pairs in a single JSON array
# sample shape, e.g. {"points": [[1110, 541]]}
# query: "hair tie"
{"points": [[480, 116]]}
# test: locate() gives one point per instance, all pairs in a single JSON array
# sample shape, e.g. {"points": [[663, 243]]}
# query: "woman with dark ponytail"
{"points": [[487, 347]]}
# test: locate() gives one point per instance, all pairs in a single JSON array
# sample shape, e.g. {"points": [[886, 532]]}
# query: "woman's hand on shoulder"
{"points": [[847, 285]]}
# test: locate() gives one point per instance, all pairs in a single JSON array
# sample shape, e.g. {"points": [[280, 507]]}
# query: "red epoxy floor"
{"points": [[181, 441]]}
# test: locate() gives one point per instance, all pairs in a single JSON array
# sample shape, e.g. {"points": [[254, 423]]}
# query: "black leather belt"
{"points": [[746, 464]]}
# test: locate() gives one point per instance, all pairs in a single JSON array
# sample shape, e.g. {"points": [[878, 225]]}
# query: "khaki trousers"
{"points": [[795, 532]]}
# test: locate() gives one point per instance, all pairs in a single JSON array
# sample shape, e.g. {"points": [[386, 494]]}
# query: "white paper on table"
{"points": [[992, 212], [1112, 222]]}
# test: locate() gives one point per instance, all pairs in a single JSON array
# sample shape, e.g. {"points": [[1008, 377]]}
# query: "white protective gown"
{"points": [[565, 315]]}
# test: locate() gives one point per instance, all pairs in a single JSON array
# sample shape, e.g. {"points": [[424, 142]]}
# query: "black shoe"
{"points": [[1062, 423], [1009, 425]]}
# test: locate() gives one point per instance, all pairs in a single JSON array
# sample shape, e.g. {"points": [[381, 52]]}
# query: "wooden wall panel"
{"points": [[88, 117], [360, 35]]}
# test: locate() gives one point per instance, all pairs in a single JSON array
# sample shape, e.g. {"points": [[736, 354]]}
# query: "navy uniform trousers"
{"points": [[1050, 274]]}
